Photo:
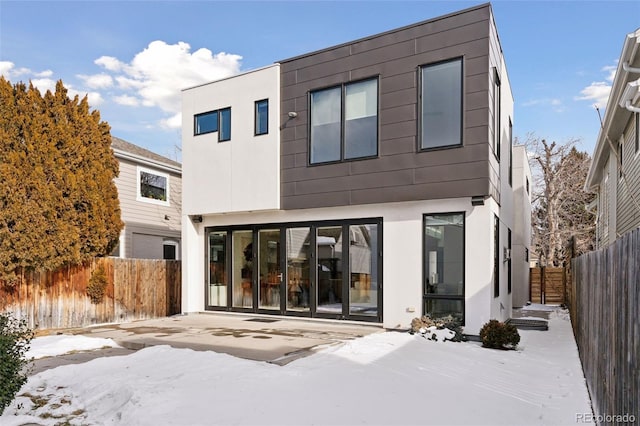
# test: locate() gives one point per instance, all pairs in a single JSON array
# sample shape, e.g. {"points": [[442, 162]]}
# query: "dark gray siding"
{"points": [[400, 172]]}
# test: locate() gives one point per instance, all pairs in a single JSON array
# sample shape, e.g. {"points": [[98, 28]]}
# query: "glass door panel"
{"points": [[298, 267], [217, 289], [269, 271], [363, 270], [242, 246], [329, 253]]}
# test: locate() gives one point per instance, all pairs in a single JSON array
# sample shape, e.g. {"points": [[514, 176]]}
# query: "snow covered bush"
{"points": [[15, 337], [429, 327], [498, 335]]}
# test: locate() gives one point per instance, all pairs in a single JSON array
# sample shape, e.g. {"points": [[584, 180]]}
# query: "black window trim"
{"points": [[497, 104], [313, 225], [219, 119], [419, 105], [496, 256], [255, 117], [342, 87], [637, 131], [426, 295]]}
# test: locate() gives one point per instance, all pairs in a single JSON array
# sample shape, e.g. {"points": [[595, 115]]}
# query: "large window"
{"points": [[214, 121], [444, 265], [153, 186], [262, 117], [344, 122], [441, 104]]}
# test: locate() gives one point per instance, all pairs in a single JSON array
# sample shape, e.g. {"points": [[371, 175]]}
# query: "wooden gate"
{"points": [[548, 285]]}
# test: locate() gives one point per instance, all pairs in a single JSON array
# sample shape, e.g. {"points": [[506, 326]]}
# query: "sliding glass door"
{"points": [[317, 269]]}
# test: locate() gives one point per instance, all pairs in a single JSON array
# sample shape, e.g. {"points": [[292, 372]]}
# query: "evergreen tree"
{"points": [[58, 200]]}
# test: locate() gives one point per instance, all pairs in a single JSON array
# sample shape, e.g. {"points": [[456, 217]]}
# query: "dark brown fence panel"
{"points": [[605, 310], [136, 289]]}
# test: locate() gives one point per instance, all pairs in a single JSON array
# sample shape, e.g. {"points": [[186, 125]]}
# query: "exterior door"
{"points": [[269, 269]]}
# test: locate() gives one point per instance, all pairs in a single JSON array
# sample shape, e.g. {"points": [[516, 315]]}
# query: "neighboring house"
{"points": [[368, 181], [614, 174], [149, 188]]}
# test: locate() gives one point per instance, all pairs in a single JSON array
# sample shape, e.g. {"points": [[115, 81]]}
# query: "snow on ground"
{"points": [[388, 378], [63, 344]]}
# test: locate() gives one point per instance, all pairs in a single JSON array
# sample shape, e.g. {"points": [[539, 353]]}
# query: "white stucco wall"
{"points": [[522, 232], [242, 174], [402, 253]]}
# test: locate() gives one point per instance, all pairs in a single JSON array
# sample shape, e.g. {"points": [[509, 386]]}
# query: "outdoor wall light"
{"points": [[478, 200], [196, 218], [293, 114]]}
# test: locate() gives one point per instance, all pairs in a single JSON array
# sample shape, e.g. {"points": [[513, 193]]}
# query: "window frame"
{"points": [[343, 120], [256, 119], [202, 114], [419, 138], [218, 112], [140, 197], [637, 131], [431, 296], [510, 153], [497, 112], [172, 243], [496, 256]]}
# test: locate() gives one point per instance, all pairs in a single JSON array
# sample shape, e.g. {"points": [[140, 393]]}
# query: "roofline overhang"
{"points": [[630, 51], [147, 161]]}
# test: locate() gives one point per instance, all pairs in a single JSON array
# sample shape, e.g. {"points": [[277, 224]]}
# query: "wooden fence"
{"points": [[605, 311], [547, 285], [136, 289]]}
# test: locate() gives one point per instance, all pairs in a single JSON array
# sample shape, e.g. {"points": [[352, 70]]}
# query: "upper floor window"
{"points": [[214, 121], [441, 104], [262, 117], [496, 113], [152, 186], [344, 122]]}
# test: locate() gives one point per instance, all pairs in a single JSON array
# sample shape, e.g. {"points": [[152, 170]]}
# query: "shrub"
{"points": [[15, 338], [449, 321], [498, 335], [97, 285]]}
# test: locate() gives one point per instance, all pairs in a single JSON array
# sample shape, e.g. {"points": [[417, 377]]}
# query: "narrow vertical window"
{"points": [[510, 152], [496, 113], [509, 260], [444, 265], [361, 119], [326, 111], [620, 158], [496, 256], [225, 125], [441, 104], [262, 117]]}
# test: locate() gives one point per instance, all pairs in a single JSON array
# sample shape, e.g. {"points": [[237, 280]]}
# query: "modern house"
{"points": [[614, 174], [369, 181], [149, 188]]}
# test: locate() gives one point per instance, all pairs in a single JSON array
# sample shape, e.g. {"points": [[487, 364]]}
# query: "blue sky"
{"points": [[133, 57]]}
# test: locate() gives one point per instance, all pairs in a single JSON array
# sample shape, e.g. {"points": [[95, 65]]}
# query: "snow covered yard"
{"points": [[386, 378]]}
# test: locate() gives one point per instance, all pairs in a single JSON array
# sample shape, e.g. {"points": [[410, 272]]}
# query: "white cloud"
{"points": [[598, 91], [110, 63], [44, 84], [43, 74], [97, 81], [554, 103], [173, 122], [9, 71], [156, 75], [127, 100]]}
